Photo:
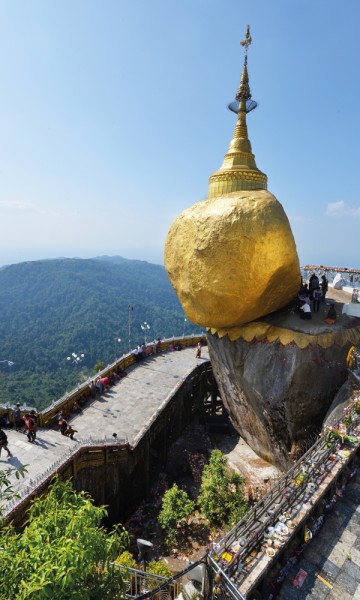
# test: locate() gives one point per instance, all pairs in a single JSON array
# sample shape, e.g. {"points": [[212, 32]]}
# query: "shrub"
{"points": [[221, 498], [176, 506], [126, 559], [62, 552], [159, 567]]}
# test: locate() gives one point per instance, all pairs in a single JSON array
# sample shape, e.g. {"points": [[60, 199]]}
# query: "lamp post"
{"points": [[145, 327], [130, 309], [75, 358], [118, 340], [184, 326], [9, 363], [145, 549]]}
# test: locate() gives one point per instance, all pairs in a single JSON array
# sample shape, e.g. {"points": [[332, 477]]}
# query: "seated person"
{"points": [[331, 316], [305, 311], [66, 429]]}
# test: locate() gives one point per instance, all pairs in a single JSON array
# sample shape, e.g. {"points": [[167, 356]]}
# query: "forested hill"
{"points": [[51, 308]]}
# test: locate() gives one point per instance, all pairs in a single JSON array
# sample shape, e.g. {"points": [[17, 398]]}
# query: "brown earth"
{"points": [[184, 466]]}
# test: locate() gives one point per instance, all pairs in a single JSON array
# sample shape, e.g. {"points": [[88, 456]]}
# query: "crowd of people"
{"points": [[143, 350], [27, 422], [312, 295]]}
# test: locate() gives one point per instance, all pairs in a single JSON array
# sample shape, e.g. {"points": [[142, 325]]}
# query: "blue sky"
{"points": [[113, 116]]}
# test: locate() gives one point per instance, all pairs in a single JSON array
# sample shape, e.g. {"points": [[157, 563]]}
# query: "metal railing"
{"points": [[249, 532], [37, 483], [32, 487]]}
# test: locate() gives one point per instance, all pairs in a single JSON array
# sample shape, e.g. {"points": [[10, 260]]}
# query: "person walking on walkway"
{"points": [[30, 427], [4, 442], [34, 417], [198, 350]]}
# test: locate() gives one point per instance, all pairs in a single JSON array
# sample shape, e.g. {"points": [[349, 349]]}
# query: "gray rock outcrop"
{"points": [[276, 395]]}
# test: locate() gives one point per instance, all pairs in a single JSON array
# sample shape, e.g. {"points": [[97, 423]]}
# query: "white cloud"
{"points": [[15, 207], [341, 209]]}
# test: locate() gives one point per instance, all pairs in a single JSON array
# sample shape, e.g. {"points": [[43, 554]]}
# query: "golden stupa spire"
{"points": [[239, 171]]}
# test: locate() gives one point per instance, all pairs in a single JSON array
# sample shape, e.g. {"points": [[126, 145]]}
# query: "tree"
{"points": [[6, 489], [221, 499], [176, 506], [63, 552]]}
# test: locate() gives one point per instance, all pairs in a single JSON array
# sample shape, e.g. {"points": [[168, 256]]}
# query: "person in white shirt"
{"points": [[305, 311]]}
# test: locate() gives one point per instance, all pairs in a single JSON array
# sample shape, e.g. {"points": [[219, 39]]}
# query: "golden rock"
{"points": [[232, 259]]}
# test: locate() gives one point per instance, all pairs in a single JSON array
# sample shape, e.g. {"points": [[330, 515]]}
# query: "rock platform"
{"points": [[278, 376]]}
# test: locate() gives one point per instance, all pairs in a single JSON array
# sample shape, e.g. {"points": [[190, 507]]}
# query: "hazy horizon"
{"points": [[113, 116]]}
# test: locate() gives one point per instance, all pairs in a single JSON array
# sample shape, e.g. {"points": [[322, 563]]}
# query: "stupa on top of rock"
{"points": [[233, 263], [232, 258]]}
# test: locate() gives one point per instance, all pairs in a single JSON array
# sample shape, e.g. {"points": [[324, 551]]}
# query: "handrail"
{"points": [[45, 476], [90, 443], [249, 529], [69, 398]]}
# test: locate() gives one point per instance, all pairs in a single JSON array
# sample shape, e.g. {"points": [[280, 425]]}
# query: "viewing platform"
{"points": [[125, 409]]}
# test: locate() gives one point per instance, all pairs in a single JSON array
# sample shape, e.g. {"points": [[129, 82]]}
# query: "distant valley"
{"points": [[50, 309]]}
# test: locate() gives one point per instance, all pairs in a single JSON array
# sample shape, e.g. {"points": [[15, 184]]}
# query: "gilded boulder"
{"points": [[232, 259]]}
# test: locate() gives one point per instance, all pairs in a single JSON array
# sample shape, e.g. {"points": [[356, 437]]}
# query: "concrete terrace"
{"points": [[125, 409]]}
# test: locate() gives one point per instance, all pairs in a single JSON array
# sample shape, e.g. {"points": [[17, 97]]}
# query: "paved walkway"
{"points": [[331, 561], [125, 410]]}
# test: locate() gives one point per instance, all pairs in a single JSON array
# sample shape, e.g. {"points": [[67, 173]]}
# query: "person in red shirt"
{"points": [[30, 426]]}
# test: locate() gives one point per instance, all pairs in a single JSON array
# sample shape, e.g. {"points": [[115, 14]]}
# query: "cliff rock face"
{"points": [[276, 395]]}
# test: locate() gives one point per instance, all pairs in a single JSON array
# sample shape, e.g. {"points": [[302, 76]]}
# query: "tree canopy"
{"points": [[63, 552], [221, 498], [51, 308]]}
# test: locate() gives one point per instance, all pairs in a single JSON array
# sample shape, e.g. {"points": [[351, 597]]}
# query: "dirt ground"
{"points": [[184, 466]]}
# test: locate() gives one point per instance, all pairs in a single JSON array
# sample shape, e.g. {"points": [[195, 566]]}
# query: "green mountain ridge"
{"points": [[51, 308]]}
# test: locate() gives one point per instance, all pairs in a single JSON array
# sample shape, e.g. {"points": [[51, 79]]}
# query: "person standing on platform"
{"points": [[313, 284], [317, 296], [18, 422], [4, 442], [324, 287], [198, 350]]}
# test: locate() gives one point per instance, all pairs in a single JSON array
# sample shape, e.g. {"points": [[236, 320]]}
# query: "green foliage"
{"points": [[63, 551], [7, 491], [51, 308], [176, 506], [159, 567], [221, 498], [126, 559], [99, 366]]}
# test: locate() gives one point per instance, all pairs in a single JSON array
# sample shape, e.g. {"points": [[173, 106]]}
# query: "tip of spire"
{"points": [[244, 87], [239, 171], [246, 42]]}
